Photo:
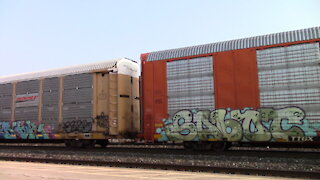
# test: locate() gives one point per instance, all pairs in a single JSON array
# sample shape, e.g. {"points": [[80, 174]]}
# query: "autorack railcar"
{"points": [[258, 90], [263, 89], [81, 105]]}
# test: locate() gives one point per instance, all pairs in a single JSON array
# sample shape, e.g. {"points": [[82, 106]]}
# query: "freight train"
{"points": [[257, 90]]}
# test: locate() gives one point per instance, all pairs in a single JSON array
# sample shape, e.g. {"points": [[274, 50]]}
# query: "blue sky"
{"points": [[41, 34]]}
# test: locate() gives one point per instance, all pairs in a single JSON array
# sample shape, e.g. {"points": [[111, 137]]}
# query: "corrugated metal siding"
{"points": [[77, 97], [290, 76], [51, 84], [29, 113], [27, 87], [6, 89], [77, 111], [26, 113], [190, 84], [5, 101], [50, 102], [265, 40], [5, 114], [50, 114], [78, 81], [50, 98], [85, 68]]}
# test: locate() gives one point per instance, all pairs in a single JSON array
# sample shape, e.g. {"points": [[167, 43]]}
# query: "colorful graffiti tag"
{"points": [[263, 124], [23, 130]]}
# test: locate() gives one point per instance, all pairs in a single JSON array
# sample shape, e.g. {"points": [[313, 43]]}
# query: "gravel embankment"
{"points": [[232, 159]]}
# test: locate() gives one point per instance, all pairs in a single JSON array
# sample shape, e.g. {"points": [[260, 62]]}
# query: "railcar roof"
{"points": [[257, 41], [77, 69]]}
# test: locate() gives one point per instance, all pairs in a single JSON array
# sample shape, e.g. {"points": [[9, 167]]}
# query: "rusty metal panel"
{"points": [[265, 40], [136, 104], [190, 84]]}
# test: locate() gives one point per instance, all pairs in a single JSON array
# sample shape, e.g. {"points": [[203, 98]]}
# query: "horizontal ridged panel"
{"points": [[5, 101], [50, 84], [190, 87], [77, 81], [290, 76], [26, 113], [5, 114], [77, 95], [285, 57], [300, 77], [313, 116], [5, 89], [27, 87], [190, 84], [265, 40], [77, 110], [285, 98], [50, 98], [50, 112]]}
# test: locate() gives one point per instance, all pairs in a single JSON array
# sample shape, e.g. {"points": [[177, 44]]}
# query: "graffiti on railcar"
{"points": [[80, 126], [260, 125], [102, 120], [23, 130]]}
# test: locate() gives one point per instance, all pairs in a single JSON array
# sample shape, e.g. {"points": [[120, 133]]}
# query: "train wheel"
{"points": [[188, 145], [88, 144], [103, 143], [203, 146], [67, 143], [74, 143], [219, 146], [197, 145]]}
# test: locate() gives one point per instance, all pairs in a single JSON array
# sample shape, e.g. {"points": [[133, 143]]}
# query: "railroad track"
{"points": [[297, 165], [246, 171]]}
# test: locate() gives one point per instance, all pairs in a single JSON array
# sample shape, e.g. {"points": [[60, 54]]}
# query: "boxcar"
{"points": [[263, 89], [80, 105]]}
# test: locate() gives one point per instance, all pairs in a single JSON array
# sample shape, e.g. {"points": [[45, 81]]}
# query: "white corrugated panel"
{"points": [[190, 84], [290, 76], [85, 68], [264, 40]]}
